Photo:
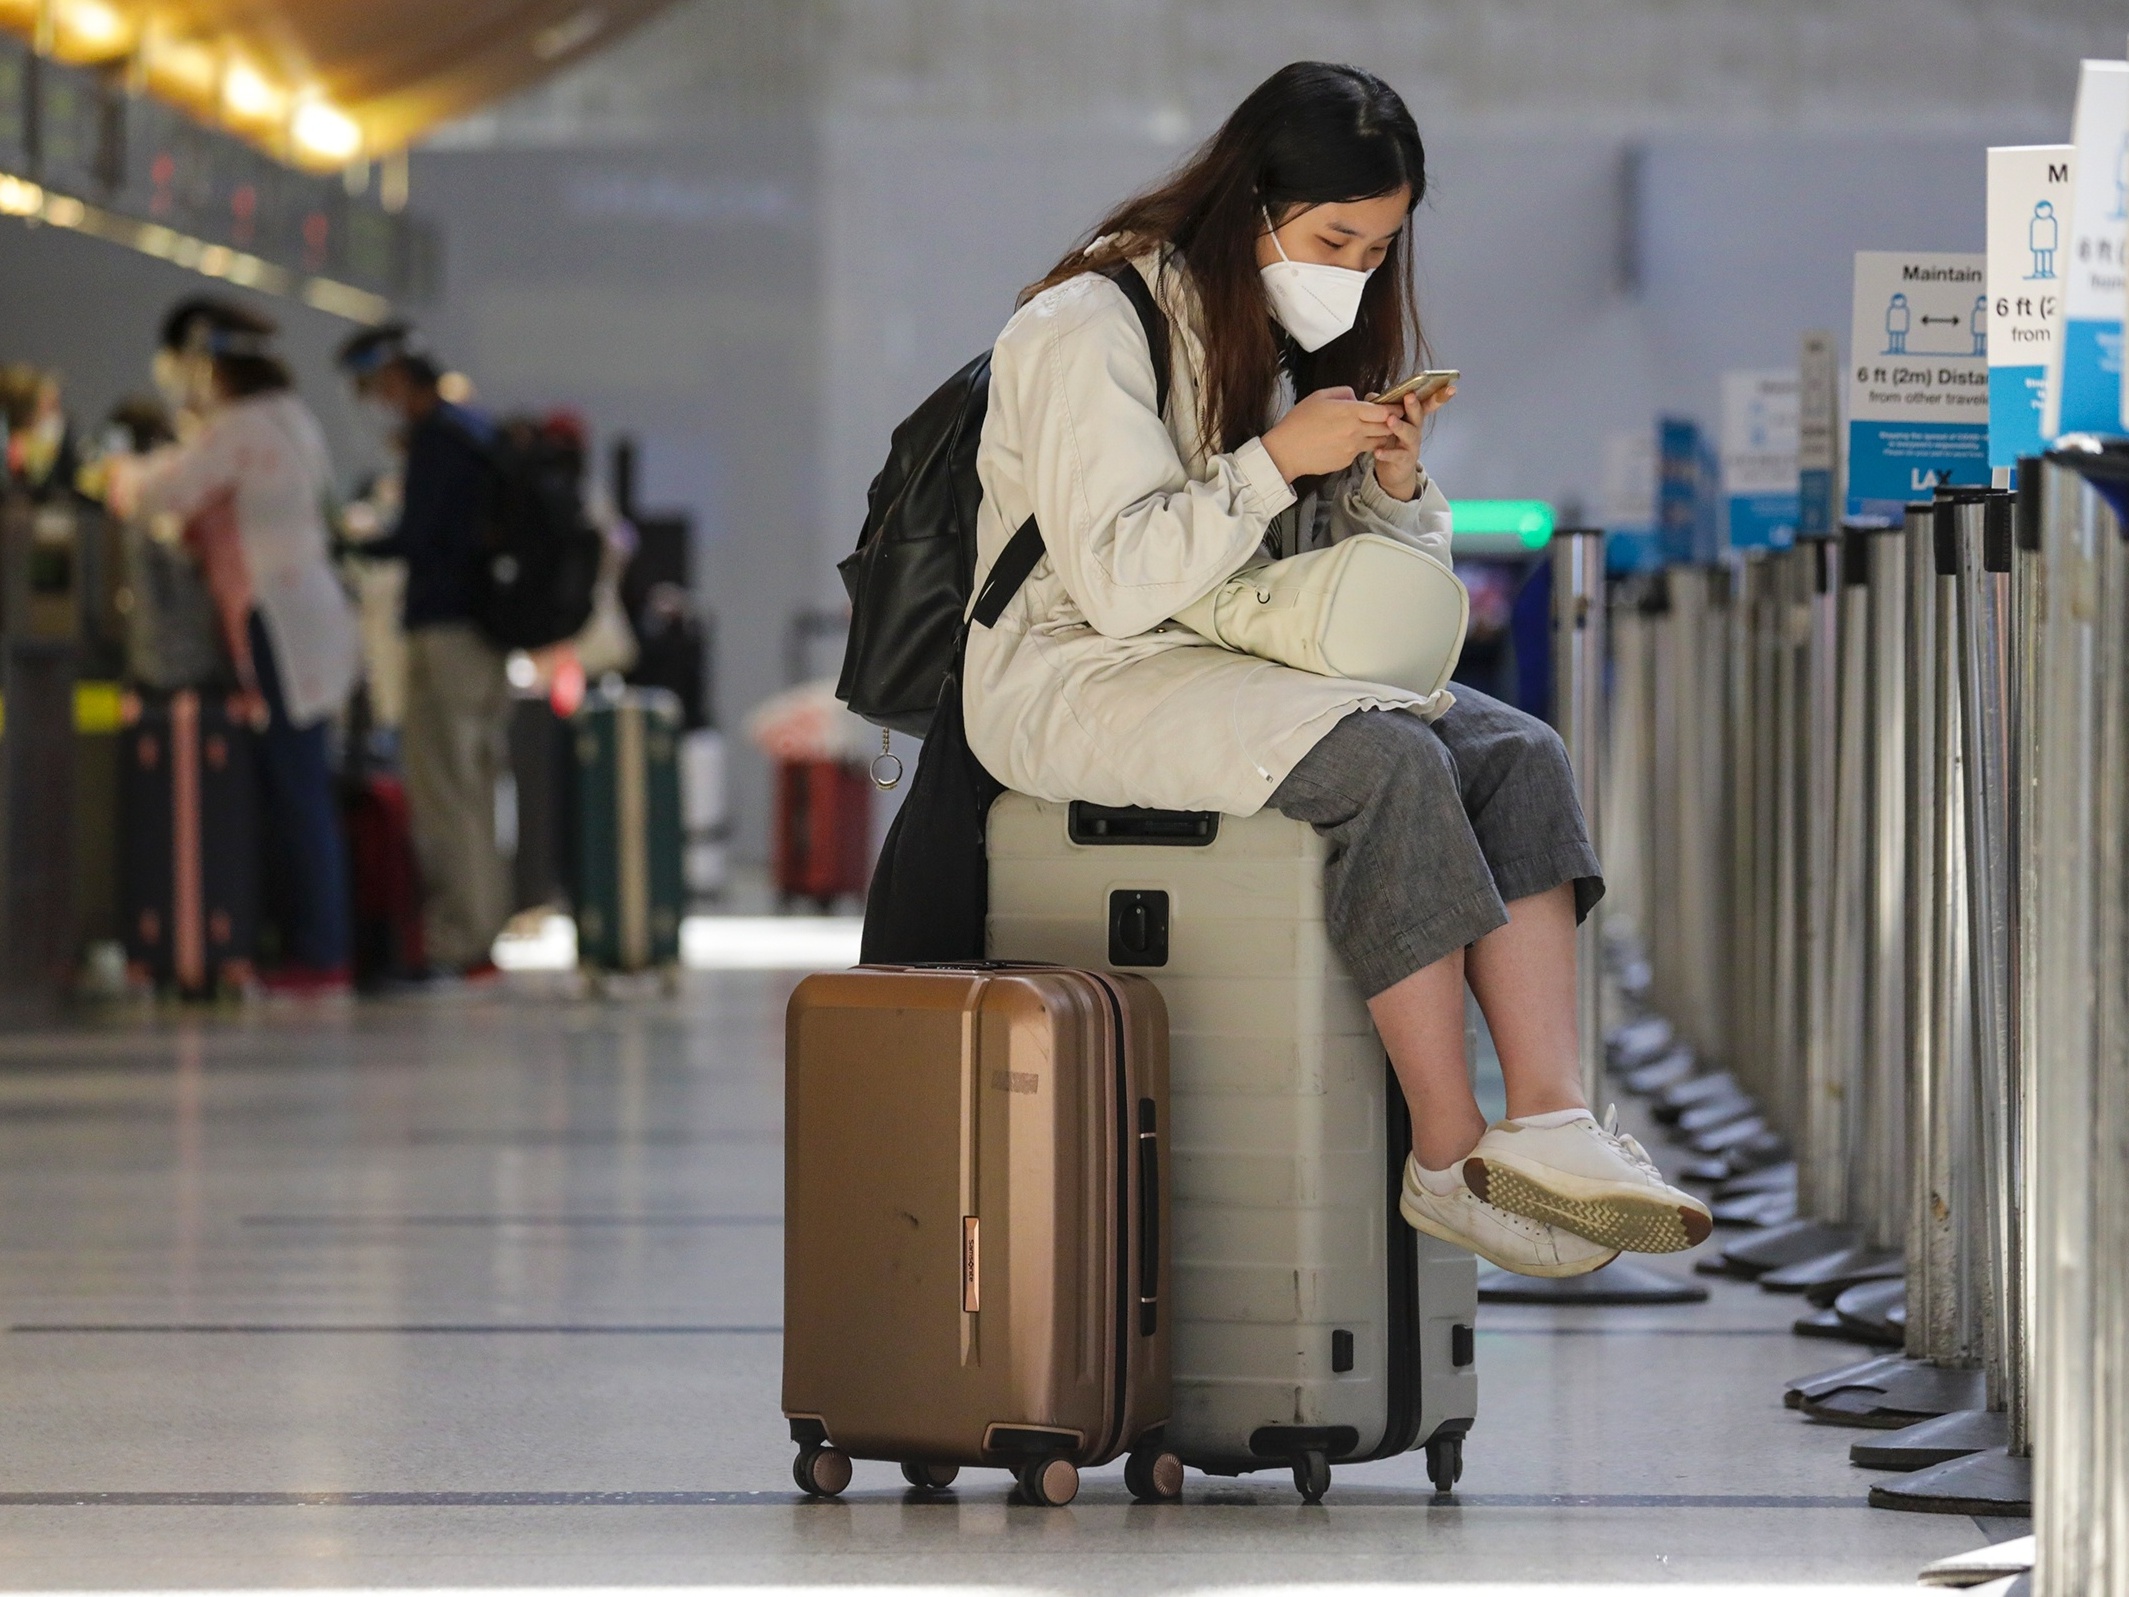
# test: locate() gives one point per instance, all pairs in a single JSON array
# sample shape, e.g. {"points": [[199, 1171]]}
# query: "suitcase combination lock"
{"points": [[1138, 927]]}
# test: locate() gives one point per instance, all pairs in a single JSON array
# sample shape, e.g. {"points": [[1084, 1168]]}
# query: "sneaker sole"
{"points": [[1543, 1272], [1631, 1221]]}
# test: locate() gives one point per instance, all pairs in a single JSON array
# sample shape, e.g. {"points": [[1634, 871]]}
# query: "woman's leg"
{"points": [[1407, 893], [1524, 978], [1406, 889], [1549, 1160], [1421, 1023], [306, 829], [1518, 789]]}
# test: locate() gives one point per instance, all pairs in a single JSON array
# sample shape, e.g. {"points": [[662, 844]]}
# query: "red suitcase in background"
{"points": [[384, 882], [191, 852], [823, 830]]}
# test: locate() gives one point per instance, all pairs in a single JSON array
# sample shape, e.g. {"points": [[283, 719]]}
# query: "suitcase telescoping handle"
{"points": [[1149, 1219]]}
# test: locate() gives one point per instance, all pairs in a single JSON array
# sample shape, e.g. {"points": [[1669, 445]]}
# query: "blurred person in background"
{"points": [[457, 698], [257, 457], [41, 455]]}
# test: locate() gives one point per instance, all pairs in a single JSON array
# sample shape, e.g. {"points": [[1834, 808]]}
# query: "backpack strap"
{"points": [[1024, 552]]}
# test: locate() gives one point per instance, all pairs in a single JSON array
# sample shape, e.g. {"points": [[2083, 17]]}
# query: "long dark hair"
{"points": [[1310, 134]]}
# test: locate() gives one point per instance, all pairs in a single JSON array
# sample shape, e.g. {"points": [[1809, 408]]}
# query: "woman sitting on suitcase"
{"points": [[1280, 254]]}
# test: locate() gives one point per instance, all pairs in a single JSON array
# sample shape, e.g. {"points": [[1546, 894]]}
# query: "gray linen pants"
{"points": [[452, 741], [1435, 828]]}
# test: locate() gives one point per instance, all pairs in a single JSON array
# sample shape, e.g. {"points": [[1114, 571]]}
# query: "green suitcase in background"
{"points": [[629, 874]]}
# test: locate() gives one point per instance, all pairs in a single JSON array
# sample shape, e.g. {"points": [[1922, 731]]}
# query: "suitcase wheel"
{"points": [[1048, 1482], [1312, 1476], [930, 1477], [1154, 1476], [1445, 1462], [821, 1471]]}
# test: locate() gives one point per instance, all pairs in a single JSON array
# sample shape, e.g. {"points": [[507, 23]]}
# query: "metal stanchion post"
{"points": [[1938, 1373], [1841, 1130], [1578, 656], [1858, 1288], [1760, 1183], [1804, 953], [2109, 1504], [1789, 627], [1989, 1478], [2075, 1019]]}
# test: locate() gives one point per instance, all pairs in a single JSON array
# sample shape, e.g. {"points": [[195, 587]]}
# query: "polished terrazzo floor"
{"points": [[479, 1288]]}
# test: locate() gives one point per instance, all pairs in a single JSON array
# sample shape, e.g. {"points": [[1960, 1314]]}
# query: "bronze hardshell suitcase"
{"points": [[975, 1208]]}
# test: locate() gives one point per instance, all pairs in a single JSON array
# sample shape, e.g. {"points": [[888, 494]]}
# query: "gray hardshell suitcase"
{"points": [[1312, 1325]]}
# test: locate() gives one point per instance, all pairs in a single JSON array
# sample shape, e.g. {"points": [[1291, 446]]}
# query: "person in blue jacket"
{"points": [[457, 698]]}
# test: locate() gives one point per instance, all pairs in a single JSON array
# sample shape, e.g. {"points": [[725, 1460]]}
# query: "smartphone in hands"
{"points": [[1420, 385]]}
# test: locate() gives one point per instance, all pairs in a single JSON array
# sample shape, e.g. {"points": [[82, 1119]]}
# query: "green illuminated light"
{"points": [[1528, 521]]}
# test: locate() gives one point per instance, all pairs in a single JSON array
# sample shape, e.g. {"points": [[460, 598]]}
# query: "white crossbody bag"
{"points": [[1369, 608]]}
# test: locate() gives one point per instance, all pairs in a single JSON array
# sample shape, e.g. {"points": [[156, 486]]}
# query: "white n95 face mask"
{"points": [[1313, 302]]}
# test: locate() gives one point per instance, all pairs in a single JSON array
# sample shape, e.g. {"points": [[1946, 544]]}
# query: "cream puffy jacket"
{"points": [[1085, 689]]}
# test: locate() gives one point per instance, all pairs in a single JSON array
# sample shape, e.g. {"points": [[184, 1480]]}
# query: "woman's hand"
{"points": [[1397, 462], [1327, 432]]}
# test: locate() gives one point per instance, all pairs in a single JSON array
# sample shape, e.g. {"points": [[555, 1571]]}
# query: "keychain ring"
{"points": [[889, 762]]}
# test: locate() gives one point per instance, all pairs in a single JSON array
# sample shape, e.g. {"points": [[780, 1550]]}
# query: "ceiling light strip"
{"points": [[32, 202]]}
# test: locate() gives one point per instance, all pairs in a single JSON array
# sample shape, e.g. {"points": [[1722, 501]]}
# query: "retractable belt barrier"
{"points": [[1836, 809]]}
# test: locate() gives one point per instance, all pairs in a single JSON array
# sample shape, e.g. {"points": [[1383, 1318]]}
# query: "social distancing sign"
{"points": [[1759, 477], [2028, 256], [1918, 395], [2088, 351]]}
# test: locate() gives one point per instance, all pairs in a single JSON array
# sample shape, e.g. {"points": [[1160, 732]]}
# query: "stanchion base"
{"points": [[1673, 1102], [1667, 1071], [1773, 1178], [1782, 1246], [1897, 1397], [1638, 1042], [1758, 1153], [1839, 1271], [1936, 1441], [1834, 1326], [1723, 1138], [1620, 1284], [1809, 1388], [1758, 1210], [1980, 1483], [1876, 1309], [2003, 1561], [1876, 1287]]}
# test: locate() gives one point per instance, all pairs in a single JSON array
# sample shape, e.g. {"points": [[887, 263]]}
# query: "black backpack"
{"points": [[931, 889], [910, 576], [539, 551]]}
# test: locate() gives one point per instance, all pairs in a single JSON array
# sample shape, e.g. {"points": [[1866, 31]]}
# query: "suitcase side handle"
{"points": [[1093, 825], [1149, 1219]]}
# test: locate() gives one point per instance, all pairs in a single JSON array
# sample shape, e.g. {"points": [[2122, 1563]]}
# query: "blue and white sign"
{"points": [[1818, 435], [1687, 526], [2088, 396], [1918, 390], [1759, 476], [1629, 501], [2029, 223]]}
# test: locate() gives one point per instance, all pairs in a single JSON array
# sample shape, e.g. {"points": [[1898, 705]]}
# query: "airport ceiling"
{"points": [[325, 82]]}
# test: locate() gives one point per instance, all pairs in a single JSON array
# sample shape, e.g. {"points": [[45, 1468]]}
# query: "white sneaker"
{"points": [[1526, 1247], [1589, 1179]]}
